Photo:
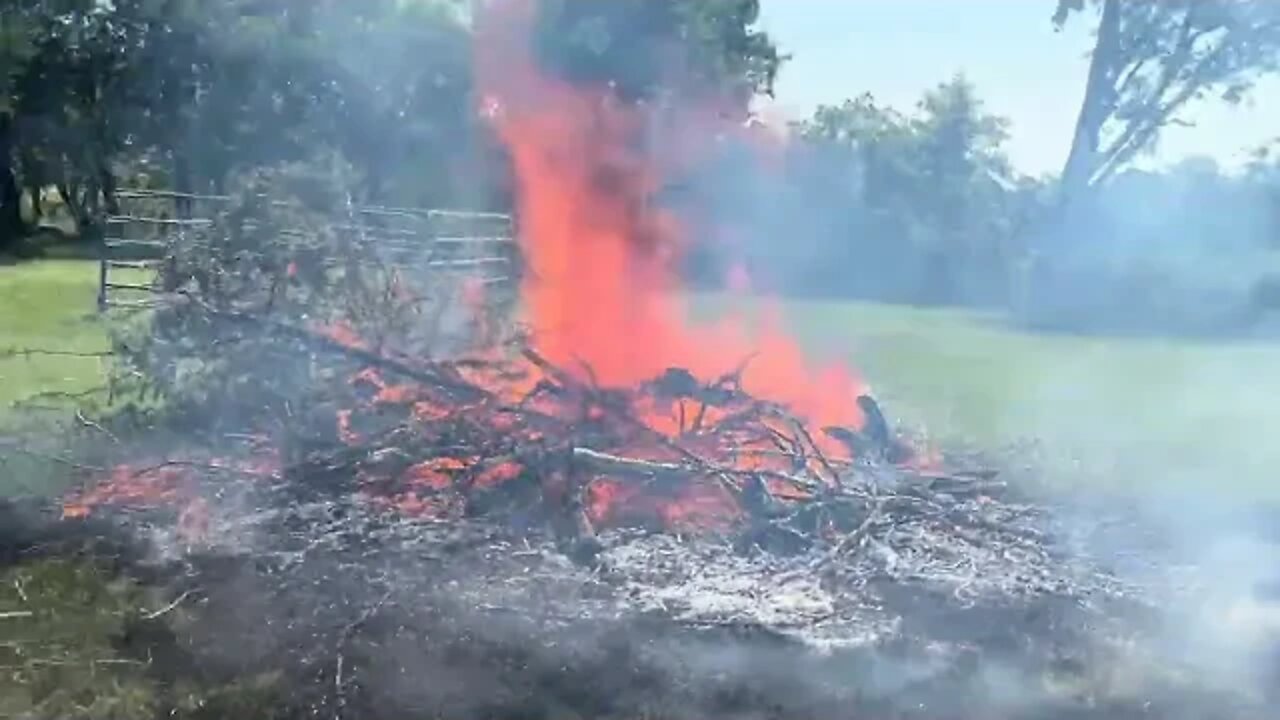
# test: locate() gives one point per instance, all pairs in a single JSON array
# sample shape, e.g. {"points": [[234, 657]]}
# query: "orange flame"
{"points": [[604, 302], [603, 291]]}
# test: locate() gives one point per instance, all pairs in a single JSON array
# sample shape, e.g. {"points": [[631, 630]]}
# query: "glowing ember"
{"points": [[165, 485], [344, 334], [128, 485]]}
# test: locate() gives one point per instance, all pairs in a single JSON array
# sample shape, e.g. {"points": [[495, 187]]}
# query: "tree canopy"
{"points": [[1150, 60], [643, 47], [931, 195], [184, 94]]}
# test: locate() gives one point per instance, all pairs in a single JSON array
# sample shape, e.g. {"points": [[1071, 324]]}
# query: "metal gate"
{"points": [[152, 222]]}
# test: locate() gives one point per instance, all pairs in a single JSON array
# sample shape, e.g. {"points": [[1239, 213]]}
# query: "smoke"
{"points": [[1159, 279], [1152, 414], [1157, 452], [1178, 252], [781, 208], [603, 289], [611, 197], [617, 182], [1150, 399]]}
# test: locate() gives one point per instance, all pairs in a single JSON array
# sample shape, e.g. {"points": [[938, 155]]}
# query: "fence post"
{"points": [[103, 250]]}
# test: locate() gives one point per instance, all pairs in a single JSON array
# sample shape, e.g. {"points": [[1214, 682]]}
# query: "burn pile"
{"points": [[615, 512], [543, 546], [464, 555], [495, 534]]}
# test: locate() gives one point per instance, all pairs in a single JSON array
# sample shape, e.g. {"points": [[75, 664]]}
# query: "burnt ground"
{"points": [[349, 612]]}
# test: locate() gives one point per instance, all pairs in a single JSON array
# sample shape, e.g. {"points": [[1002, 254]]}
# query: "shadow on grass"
{"points": [[49, 242]]}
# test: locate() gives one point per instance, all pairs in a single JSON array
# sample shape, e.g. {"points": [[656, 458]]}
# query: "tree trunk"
{"points": [[107, 180], [71, 198], [182, 183], [35, 192], [11, 225], [1097, 106], [33, 181]]}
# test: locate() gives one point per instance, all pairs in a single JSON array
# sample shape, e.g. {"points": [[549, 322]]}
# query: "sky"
{"points": [[1022, 67]]}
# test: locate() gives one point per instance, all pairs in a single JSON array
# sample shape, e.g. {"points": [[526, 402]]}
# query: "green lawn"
{"points": [[1119, 412], [49, 305], [45, 305]]}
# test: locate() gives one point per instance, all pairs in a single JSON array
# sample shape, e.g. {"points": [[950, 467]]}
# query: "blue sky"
{"points": [[1022, 67]]}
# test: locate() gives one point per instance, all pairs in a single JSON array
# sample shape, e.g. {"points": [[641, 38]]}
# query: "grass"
{"points": [[62, 621], [45, 305], [1124, 413], [1121, 412], [49, 305]]}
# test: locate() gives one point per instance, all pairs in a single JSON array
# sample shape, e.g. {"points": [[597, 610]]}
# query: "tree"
{"points": [[699, 48], [11, 225], [404, 114], [930, 199], [192, 93], [1263, 173], [16, 47], [1151, 58], [71, 94], [385, 82], [966, 176]]}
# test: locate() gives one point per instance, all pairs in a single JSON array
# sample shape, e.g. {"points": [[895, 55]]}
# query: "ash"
{"points": [[933, 608]]}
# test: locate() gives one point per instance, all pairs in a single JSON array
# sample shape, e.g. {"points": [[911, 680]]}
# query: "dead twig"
{"points": [[426, 374], [86, 422], [817, 451], [168, 608], [854, 539], [607, 463], [603, 462]]}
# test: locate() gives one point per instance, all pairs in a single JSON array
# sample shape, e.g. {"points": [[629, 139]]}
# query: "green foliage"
{"points": [[1129, 251], [187, 94], [699, 48], [271, 254], [404, 114], [264, 282], [932, 195]]}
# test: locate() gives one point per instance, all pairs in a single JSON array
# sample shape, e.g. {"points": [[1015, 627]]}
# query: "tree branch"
{"points": [[1129, 76], [1142, 129]]}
